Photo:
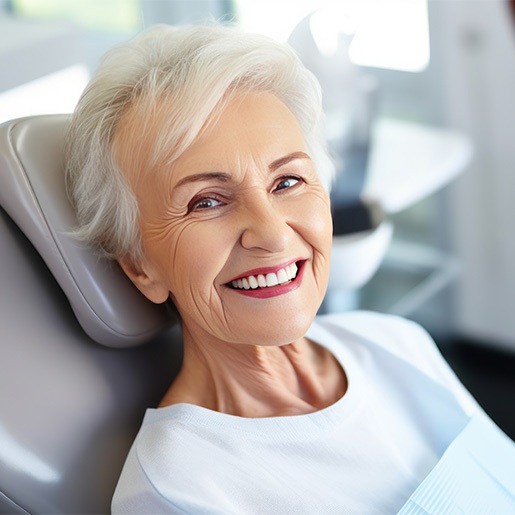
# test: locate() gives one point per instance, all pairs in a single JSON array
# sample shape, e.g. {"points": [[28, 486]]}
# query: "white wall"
{"points": [[474, 46]]}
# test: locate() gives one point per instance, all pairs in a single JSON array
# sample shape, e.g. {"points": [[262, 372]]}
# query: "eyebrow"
{"points": [[205, 176], [224, 177], [274, 165]]}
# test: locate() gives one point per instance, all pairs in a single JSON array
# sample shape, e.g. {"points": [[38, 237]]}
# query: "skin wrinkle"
{"points": [[259, 370], [155, 234], [176, 272], [242, 356], [223, 317], [208, 302]]}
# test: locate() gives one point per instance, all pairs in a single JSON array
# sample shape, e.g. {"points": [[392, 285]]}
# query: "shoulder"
{"points": [[135, 491], [403, 338], [157, 473], [397, 335]]}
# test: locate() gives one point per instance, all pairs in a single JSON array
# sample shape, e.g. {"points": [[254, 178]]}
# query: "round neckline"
{"points": [[323, 419]]}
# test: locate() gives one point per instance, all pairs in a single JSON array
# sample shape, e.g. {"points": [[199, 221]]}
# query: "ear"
{"points": [[145, 280]]}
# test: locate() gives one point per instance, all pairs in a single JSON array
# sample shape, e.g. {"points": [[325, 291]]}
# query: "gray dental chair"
{"points": [[71, 399]]}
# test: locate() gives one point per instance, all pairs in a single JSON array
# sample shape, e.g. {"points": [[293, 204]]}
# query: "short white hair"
{"points": [[191, 72]]}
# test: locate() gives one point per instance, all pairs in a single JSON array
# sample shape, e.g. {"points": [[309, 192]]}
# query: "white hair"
{"points": [[195, 70]]}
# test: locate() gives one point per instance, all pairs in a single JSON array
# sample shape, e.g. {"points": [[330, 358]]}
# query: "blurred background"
{"points": [[420, 104]]}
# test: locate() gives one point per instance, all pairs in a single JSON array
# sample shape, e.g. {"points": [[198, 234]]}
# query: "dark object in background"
{"points": [[488, 374], [355, 216]]}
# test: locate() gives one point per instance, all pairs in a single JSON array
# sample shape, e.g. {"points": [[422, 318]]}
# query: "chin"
{"points": [[282, 329]]}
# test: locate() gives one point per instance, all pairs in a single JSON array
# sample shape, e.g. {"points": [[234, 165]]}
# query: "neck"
{"points": [[257, 381]]}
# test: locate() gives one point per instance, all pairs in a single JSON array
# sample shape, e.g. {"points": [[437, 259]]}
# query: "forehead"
{"points": [[248, 112], [256, 126]]}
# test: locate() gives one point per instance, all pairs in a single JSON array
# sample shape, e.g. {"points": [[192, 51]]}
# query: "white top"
{"points": [[364, 454]]}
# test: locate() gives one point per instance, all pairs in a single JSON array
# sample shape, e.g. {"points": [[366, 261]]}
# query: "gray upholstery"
{"points": [[69, 408], [110, 309]]}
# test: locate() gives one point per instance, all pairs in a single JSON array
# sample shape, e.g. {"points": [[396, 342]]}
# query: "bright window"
{"points": [[105, 15], [54, 93], [391, 34]]}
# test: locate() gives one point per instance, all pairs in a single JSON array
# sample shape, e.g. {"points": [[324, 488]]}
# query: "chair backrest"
{"points": [[32, 192], [69, 407]]}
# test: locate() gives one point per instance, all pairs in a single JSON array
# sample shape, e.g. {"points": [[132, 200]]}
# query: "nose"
{"points": [[265, 226]]}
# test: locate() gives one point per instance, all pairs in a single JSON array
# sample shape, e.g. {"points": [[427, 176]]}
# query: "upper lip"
{"points": [[266, 270]]}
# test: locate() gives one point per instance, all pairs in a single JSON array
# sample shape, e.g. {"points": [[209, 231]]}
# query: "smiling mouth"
{"points": [[255, 282]]}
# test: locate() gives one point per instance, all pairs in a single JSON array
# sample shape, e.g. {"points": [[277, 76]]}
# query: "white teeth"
{"points": [[272, 279], [282, 276]]}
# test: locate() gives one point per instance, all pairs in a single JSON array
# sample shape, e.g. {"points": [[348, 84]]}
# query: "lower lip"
{"points": [[273, 291]]}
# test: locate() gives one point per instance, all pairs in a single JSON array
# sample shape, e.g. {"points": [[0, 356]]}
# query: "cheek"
{"points": [[197, 252], [315, 223]]}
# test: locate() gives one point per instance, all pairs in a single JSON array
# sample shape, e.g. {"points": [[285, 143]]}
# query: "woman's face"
{"points": [[238, 231]]}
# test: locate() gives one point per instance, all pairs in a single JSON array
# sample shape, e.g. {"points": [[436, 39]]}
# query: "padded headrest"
{"points": [[32, 191]]}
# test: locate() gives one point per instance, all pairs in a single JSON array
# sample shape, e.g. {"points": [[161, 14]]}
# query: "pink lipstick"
{"points": [[269, 282]]}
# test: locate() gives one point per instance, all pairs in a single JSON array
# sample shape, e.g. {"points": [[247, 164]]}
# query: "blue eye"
{"points": [[286, 183], [204, 203]]}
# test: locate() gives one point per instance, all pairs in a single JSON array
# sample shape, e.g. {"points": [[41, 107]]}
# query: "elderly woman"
{"points": [[196, 159]]}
